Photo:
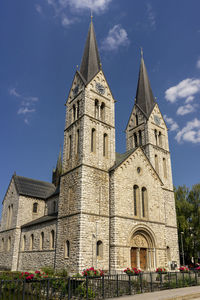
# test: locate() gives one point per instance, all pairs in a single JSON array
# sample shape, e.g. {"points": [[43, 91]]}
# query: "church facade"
{"points": [[102, 209]]}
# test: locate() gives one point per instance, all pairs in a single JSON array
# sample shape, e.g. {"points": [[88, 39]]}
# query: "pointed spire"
{"points": [[58, 171], [90, 64], [144, 96]]}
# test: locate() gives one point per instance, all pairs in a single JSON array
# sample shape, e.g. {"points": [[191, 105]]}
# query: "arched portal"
{"points": [[142, 250]]}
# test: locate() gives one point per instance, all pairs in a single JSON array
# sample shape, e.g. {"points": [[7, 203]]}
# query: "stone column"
{"points": [[149, 259], [138, 258], [154, 258]]}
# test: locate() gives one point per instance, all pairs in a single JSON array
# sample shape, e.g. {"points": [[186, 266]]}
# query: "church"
{"points": [[102, 209]]}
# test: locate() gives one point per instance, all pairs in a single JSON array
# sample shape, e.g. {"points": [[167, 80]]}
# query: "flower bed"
{"points": [[184, 269], [161, 270], [91, 272], [133, 271]]}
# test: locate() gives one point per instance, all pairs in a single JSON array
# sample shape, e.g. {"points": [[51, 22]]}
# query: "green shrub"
{"points": [[61, 273], [48, 270]]}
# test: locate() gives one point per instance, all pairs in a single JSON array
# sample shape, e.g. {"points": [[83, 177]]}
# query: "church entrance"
{"points": [[142, 252]]}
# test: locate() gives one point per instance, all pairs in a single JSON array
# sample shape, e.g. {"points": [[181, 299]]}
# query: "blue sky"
{"points": [[42, 43]]}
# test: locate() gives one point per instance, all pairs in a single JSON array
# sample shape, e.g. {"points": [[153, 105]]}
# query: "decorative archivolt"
{"points": [[139, 241]]}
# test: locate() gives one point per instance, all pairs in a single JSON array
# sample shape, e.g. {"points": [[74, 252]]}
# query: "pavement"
{"points": [[186, 293]]}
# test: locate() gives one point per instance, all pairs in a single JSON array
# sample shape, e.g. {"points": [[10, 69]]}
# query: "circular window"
{"points": [[138, 170]]}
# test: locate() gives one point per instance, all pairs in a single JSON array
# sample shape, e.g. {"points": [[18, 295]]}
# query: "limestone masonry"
{"points": [[102, 209]]}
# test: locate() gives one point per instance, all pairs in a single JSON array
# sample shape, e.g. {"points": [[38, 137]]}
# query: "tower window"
{"points": [[11, 215], [96, 109], [160, 138], [144, 202], [77, 141], [156, 163], [54, 206], [136, 199], [31, 241], [136, 120], [78, 109], [42, 241], [135, 140], [140, 138], [52, 238], [35, 207], [164, 167], [8, 217], [155, 134], [9, 243], [74, 112], [93, 140], [2, 244], [99, 249], [70, 147], [105, 145], [67, 249], [24, 243], [103, 111]]}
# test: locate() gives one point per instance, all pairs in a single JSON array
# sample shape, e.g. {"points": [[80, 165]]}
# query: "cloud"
{"points": [[173, 126], [117, 37], [27, 104], [151, 16], [38, 8], [190, 133], [61, 7], [189, 99], [184, 89], [185, 109], [198, 64]]}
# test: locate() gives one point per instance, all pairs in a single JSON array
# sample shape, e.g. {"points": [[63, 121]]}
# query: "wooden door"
{"points": [[143, 258], [133, 257]]}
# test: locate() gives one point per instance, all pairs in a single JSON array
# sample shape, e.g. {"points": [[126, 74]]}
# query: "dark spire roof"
{"points": [[90, 64], [144, 96], [58, 171]]}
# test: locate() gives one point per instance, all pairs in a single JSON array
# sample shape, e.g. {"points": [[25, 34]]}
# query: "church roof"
{"points": [[144, 95], [90, 64], [43, 219], [120, 157], [33, 188]]}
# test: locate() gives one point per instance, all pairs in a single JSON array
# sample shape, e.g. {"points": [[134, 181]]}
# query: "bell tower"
{"points": [[88, 154], [147, 129]]}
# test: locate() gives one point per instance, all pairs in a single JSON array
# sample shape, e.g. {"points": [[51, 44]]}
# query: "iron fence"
{"points": [[107, 286]]}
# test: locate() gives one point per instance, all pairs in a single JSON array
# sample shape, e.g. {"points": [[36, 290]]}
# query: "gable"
{"points": [[132, 119], [77, 86], [157, 118]]}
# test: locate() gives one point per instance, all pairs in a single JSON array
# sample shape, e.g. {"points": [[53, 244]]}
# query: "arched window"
{"points": [[136, 199], [54, 206], [24, 243], [160, 138], [144, 202], [140, 137], [42, 241], [96, 109], [9, 243], [35, 207], [8, 217], [74, 112], [78, 109], [105, 145], [31, 241], [156, 163], [99, 249], [11, 215], [164, 167], [77, 141], [70, 147], [67, 249], [103, 111], [2, 244], [136, 120], [155, 134], [93, 140], [52, 238], [135, 139]]}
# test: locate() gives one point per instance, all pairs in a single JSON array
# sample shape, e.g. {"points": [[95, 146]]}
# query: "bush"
{"points": [[61, 273], [48, 270]]}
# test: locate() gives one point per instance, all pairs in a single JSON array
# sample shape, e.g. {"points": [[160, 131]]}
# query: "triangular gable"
{"points": [[77, 80]]}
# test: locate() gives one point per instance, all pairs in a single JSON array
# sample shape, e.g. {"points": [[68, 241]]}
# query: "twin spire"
{"points": [[91, 65]]}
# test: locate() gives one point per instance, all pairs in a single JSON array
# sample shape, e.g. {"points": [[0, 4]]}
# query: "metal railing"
{"points": [[107, 286]]}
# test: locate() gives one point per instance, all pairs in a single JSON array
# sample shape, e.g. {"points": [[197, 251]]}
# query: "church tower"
{"points": [[88, 154], [147, 129]]}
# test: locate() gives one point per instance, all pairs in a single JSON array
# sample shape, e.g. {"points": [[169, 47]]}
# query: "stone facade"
{"points": [[107, 210]]}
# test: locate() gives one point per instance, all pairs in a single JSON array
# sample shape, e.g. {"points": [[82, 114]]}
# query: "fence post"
{"points": [[23, 291], [103, 291], [141, 288], [176, 280], [117, 286], [151, 282], [87, 287], [196, 278], [160, 280], [48, 289], [129, 284]]}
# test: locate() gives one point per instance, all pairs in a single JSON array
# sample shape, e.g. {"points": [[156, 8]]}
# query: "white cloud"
{"points": [[151, 16], [189, 99], [173, 126], [189, 133], [117, 36], [27, 103], [198, 63], [96, 6], [184, 89], [185, 109], [38, 8]]}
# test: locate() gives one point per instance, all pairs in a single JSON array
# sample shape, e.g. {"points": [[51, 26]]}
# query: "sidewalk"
{"points": [[175, 294]]}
